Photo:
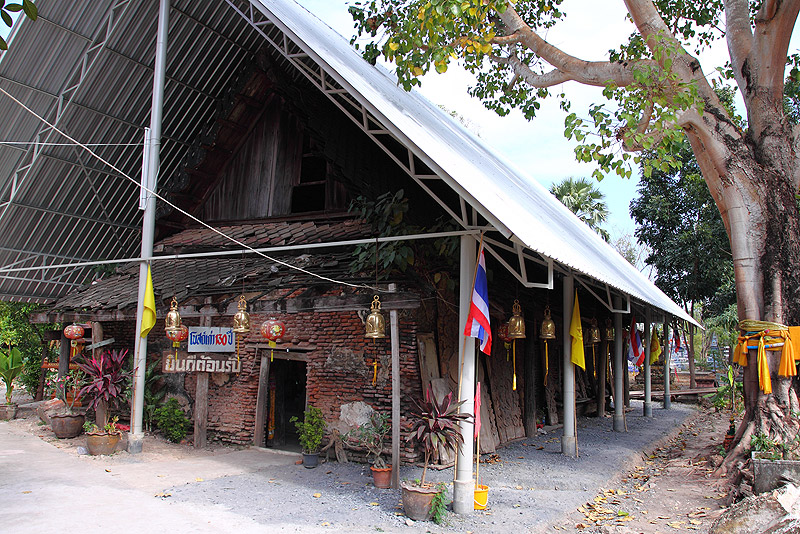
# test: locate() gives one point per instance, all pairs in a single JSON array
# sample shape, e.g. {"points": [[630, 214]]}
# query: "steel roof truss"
{"points": [[607, 301], [81, 70]]}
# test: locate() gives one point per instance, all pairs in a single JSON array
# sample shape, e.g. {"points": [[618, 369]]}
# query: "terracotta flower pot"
{"points": [[67, 425], [8, 411], [382, 477], [98, 444], [417, 501]]}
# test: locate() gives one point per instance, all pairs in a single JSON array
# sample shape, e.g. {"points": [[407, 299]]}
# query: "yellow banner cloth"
{"points": [[149, 312], [576, 332], [655, 348]]}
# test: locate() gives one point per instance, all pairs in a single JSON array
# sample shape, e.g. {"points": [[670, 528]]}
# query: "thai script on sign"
{"points": [[211, 339], [210, 363]]}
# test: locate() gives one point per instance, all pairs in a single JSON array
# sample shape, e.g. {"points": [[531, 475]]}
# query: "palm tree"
{"points": [[584, 200]]}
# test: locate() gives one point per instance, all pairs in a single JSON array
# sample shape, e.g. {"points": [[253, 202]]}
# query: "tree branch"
{"points": [[739, 38], [567, 67], [775, 23]]}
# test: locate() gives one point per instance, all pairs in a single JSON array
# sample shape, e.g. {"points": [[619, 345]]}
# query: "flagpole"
{"points": [[463, 349]]}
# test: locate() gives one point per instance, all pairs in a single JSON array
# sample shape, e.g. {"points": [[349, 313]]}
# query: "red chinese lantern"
{"points": [[74, 332], [273, 330], [502, 333], [176, 336]]}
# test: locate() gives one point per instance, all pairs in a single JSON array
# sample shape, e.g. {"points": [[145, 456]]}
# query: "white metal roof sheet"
{"points": [[519, 204]]}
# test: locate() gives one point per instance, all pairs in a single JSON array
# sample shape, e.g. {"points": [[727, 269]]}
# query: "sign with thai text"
{"points": [[184, 362], [211, 339]]}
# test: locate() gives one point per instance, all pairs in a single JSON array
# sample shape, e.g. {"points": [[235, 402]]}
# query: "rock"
{"points": [[715, 460], [355, 414], [82, 451], [761, 514], [48, 408], [409, 522]]}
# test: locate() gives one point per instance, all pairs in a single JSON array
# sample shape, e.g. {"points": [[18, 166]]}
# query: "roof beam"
{"points": [[51, 211], [43, 254]]}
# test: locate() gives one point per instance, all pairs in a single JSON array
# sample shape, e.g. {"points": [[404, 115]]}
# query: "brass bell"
{"points": [[173, 319], [548, 330], [594, 332], [376, 325], [609, 331], [516, 324], [241, 320]]}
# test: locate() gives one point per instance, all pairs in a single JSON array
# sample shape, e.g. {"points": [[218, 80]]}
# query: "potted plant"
{"points": [[106, 384], [67, 424], [10, 368], [774, 460], [435, 426], [311, 430], [371, 436], [102, 440]]}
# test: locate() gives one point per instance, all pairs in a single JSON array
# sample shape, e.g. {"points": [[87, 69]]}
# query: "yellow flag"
{"points": [[149, 312], [655, 348], [576, 331]]}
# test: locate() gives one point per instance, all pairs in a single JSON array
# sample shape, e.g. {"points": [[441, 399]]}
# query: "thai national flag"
{"points": [[478, 318]]}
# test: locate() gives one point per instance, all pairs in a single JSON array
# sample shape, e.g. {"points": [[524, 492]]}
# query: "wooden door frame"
{"points": [[259, 434]]}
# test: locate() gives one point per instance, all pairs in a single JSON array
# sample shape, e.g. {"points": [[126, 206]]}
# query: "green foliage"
{"points": [[27, 7], [311, 429], [16, 329], [107, 379], [585, 200], [172, 421], [110, 427], [371, 435], [10, 368], [431, 259], [729, 396], [439, 505], [153, 393], [676, 218], [436, 425]]}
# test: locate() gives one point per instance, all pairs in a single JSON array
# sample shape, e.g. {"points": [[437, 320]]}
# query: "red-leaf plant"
{"points": [[437, 425], [107, 380]]}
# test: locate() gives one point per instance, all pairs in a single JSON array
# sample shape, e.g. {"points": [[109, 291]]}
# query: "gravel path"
{"points": [[531, 484]]}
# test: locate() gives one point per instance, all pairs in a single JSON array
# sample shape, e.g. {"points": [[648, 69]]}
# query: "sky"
{"points": [[538, 147]]}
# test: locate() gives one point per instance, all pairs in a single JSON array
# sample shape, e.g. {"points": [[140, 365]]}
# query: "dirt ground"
{"points": [[672, 489]]}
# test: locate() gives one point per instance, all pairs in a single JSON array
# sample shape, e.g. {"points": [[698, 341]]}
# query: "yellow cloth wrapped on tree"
{"points": [[655, 348], [785, 338], [576, 332]]}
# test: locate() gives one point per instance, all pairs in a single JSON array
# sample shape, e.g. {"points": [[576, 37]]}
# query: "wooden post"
{"points": [[394, 326], [259, 435], [63, 356], [602, 365], [531, 385], [201, 399]]}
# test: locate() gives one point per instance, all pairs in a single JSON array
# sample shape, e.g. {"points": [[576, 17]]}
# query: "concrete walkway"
{"points": [[48, 490]]}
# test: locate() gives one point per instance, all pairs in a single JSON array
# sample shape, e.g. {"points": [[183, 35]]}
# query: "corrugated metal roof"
{"points": [[72, 207], [521, 205]]}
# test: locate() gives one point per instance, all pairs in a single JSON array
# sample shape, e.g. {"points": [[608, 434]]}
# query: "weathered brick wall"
{"points": [[339, 368]]}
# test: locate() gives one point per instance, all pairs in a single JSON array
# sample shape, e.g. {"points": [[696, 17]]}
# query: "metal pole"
{"points": [[648, 393], [148, 224], [569, 441], [667, 338], [463, 486], [619, 403]]}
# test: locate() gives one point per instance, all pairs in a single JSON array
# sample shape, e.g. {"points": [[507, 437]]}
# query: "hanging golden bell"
{"points": [[173, 319], [609, 331], [548, 330], [241, 320], [594, 332], [516, 324], [376, 325]]}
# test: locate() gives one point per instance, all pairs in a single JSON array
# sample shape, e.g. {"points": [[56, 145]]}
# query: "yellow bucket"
{"points": [[481, 497]]}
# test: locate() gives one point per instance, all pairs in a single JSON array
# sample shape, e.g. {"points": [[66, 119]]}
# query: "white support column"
{"points": [[148, 225], [464, 485], [394, 329], [619, 402], [648, 393], [569, 441], [668, 349]]}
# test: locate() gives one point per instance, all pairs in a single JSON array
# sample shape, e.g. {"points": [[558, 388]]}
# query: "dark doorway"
{"points": [[287, 399]]}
